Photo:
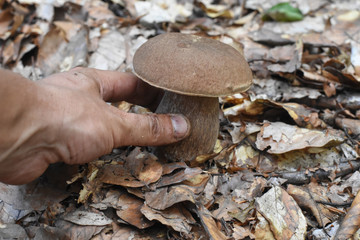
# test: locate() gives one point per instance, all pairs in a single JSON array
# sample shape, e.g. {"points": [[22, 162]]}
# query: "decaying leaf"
{"points": [[110, 53], [128, 209], [305, 198], [176, 217], [58, 54], [262, 228], [280, 138], [88, 218], [74, 231], [209, 224], [285, 218], [119, 175], [351, 222], [165, 197], [144, 166]]}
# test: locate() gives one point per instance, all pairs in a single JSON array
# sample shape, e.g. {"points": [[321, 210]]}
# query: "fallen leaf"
{"points": [[176, 217], [281, 138], [209, 224], [87, 218], [165, 197], [283, 12], [351, 222], [128, 209], [285, 218]]}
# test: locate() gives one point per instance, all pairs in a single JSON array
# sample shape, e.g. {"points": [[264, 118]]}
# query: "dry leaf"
{"points": [[280, 138], [128, 209], [87, 218], [351, 222], [209, 224], [283, 214], [165, 197], [176, 217]]}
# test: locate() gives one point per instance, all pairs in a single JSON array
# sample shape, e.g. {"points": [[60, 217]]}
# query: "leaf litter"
{"points": [[286, 163]]}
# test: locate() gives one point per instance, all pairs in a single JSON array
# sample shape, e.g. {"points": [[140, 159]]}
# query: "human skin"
{"points": [[65, 118]]}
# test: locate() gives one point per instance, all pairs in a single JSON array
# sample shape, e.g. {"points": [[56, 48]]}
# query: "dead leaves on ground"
{"points": [[286, 163]]}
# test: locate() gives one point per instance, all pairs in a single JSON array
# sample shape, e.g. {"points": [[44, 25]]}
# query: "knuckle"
{"points": [[86, 77], [155, 127]]}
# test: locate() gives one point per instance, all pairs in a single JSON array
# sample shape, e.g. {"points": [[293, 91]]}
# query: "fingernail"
{"points": [[181, 125]]}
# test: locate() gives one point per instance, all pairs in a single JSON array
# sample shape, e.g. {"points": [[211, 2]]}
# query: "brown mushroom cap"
{"points": [[192, 65]]}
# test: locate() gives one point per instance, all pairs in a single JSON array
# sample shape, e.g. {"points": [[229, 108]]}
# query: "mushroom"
{"points": [[194, 71]]}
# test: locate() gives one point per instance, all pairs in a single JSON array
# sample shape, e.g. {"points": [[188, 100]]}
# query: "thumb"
{"points": [[149, 129]]}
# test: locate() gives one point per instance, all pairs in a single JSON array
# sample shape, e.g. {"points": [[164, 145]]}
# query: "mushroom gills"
{"points": [[203, 115]]}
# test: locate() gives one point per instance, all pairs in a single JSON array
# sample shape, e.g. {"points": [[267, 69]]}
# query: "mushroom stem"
{"points": [[203, 114]]}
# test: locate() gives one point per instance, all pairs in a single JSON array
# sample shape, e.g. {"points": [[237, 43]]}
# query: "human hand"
{"points": [[68, 120]]}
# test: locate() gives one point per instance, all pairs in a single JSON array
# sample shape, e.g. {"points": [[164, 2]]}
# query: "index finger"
{"points": [[120, 86]]}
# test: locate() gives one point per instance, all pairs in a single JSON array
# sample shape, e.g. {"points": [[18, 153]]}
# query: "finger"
{"points": [[149, 129], [119, 86]]}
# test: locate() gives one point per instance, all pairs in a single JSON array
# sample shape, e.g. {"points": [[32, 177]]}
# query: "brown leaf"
{"points": [[178, 177], [351, 222], [329, 89], [170, 167], [176, 217], [227, 208], [6, 18], [74, 231], [209, 224], [129, 211], [304, 199], [262, 228], [165, 197], [144, 166], [56, 53], [118, 175]]}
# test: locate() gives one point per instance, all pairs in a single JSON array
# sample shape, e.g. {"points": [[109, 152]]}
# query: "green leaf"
{"points": [[283, 12]]}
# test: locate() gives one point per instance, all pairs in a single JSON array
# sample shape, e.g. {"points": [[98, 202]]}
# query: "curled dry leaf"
{"points": [[144, 166], [216, 10], [129, 210], [209, 223], [177, 217], [304, 198], [165, 197], [351, 222], [178, 177]]}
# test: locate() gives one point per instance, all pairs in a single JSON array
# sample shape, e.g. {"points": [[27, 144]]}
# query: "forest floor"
{"points": [[286, 162]]}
